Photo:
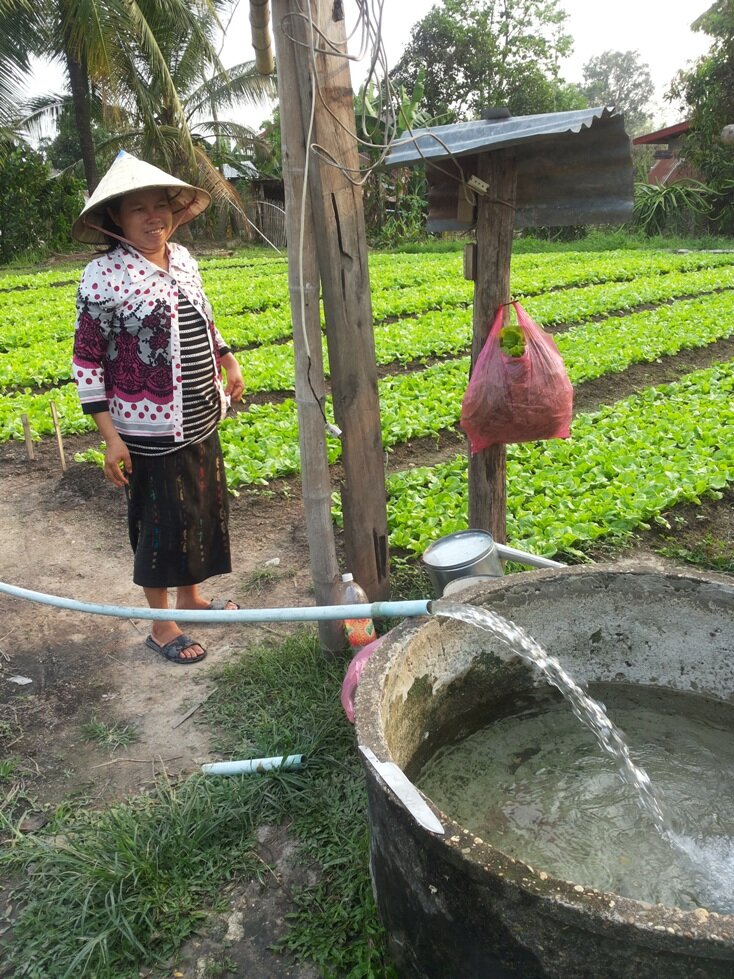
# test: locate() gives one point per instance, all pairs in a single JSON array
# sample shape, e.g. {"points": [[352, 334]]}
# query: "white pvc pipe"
{"points": [[315, 613], [252, 766]]}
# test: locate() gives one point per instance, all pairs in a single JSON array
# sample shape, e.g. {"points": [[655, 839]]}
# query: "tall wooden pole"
{"points": [[495, 222], [342, 250], [303, 275]]}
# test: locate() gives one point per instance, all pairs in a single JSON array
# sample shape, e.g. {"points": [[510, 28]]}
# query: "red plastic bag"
{"points": [[517, 399], [353, 674]]}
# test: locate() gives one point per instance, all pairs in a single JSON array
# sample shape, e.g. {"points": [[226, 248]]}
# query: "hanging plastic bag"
{"points": [[353, 674], [517, 398]]}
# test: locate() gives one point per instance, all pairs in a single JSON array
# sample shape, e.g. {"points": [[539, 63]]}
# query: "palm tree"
{"points": [[203, 89], [103, 44], [155, 136], [18, 27], [148, 70]]}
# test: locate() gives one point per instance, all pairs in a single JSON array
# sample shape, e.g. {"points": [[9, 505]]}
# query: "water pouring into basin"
{"points": [[694, 869], [589, 711], [463, 905]]}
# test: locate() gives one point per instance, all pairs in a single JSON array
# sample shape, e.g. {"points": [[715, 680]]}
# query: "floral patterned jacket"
{"points": [[127, 355]]}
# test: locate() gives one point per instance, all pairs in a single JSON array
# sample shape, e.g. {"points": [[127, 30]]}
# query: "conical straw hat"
{"points": [[127, 174]]}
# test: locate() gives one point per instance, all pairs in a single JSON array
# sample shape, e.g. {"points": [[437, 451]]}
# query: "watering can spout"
{"points": [[523, 557], [473, 554]]}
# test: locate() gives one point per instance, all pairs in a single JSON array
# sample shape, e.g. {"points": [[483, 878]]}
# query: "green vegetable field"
{"points": [[638, 453]]}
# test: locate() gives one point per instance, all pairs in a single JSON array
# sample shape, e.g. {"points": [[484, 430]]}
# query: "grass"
{"points": [[103, 893], [263, 579], [8, 768], [291, 695], [709, 553], [110, 736]]}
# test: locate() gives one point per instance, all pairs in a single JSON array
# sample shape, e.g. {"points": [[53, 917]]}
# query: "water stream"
{"points": [[589, 711], [713, 857]]}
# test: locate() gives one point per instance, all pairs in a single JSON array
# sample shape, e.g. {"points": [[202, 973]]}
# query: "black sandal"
{"points": [[172, 650]]}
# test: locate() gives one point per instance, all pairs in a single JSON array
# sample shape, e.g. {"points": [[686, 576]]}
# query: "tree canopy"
{"points": [[139, 70], [705, 94], [102, 45], [476, 54], [621, 79], [37, 211]]}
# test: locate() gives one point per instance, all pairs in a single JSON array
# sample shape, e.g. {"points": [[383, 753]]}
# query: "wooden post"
{"points": [[495, 223], [30, 451], [342, 251], [59, 441], [310, 388]]}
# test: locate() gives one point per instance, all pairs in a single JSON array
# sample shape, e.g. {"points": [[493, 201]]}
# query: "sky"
{"points": [[658, 29]]}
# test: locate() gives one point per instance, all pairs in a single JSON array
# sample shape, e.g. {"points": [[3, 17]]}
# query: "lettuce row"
{"points": [[623, 466]]}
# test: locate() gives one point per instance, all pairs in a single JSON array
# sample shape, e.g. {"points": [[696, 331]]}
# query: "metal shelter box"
{"points": [[572, 167]]}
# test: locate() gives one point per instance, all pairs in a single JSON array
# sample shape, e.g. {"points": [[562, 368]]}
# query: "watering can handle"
{"points": [[511, 554]]}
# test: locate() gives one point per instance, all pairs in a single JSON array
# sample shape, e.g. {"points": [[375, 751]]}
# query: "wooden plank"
{"points": [[342, 252], [303, 273], [495, 218]]}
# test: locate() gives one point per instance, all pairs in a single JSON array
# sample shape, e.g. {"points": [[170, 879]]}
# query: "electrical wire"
{"points": [[368, 27]]}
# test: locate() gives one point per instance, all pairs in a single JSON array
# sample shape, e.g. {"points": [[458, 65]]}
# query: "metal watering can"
{"points": [[472, 554]]}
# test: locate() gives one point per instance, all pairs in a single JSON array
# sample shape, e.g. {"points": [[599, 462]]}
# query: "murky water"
{"points": [[671, 844]]}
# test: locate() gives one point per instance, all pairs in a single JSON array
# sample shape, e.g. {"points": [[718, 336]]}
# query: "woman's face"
{"points": [[146, 219]]}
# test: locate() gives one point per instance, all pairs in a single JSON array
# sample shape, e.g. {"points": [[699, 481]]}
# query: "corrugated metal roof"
{"points": [[245, 170], [572, 167]]}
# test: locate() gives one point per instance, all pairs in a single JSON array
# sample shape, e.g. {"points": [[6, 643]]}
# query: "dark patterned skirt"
{"points": [[178, 515]]}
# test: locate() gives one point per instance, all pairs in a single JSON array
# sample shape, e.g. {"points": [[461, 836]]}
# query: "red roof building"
{"points": [[670, 165]]}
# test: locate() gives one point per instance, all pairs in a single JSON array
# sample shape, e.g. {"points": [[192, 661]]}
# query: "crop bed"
{"points": [[624, 465]]}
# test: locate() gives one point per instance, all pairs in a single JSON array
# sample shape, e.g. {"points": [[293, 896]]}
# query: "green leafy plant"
{"points": [[38, 209], [676, 207], [512, 340], [623, 466]]}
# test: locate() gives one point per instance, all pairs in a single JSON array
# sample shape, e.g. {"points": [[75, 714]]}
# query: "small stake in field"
{"points": [[59, 442], [30, 451]]}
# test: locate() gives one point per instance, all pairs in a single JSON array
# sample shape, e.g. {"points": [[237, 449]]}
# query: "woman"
{"points": [[147, 362]]}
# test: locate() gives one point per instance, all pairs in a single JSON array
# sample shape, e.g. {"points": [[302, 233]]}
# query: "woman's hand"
{"points": [[116, 452], [117, 461], [235, 386]]}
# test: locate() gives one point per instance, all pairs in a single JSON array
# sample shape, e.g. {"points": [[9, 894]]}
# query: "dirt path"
{"points": [[66, 535]]}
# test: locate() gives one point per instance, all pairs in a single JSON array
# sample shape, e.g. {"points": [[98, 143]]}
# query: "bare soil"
{"points": [[65, 534]]}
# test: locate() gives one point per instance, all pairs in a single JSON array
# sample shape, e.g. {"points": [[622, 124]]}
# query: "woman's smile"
{"points": [[146, 219]]}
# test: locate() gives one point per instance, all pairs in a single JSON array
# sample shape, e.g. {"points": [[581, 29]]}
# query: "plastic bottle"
{"points": [[359, 632]]}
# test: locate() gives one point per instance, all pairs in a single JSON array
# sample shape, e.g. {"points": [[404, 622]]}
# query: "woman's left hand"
{"points": [[235, 386]]}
